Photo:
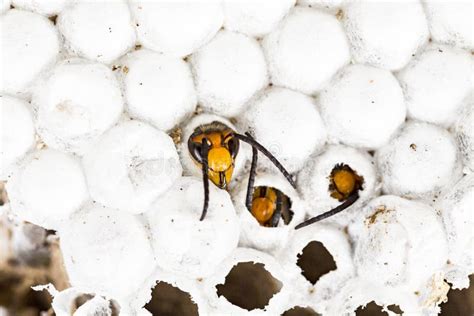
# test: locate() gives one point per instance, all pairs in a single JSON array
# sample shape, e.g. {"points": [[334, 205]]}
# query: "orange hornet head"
{"points": [[223, 148], [263, 204]]}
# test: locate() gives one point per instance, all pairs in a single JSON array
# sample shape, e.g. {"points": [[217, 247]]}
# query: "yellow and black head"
{"points": [[344, 182], [220, 151], [269, 205], [344, 185]]}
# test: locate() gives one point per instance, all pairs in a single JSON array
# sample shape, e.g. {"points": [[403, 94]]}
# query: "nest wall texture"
{"points": [[98, 101]]}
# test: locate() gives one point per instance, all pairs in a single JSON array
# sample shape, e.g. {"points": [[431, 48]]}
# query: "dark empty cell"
{"points": [[300, 311], [371, 309], [315, 261], [39, 300], [249, 285], [8, 281], [460, 302], [167, 300], [395, 308]]}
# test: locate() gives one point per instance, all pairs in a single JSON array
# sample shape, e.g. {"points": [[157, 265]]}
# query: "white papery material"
{"points": [[419, 162], [130, 166], [30, 43], [185, 245], [254, 18], [45, 7], [47, 188], [288, 124], [228, 71], [176, 27], [299, 54], [17, 132], [99, 30], [436, 82], [451, 22], [159, 89], [456, 210], [106, 252], [76, 102], [363, 106], [464, 131], [378, 36]]}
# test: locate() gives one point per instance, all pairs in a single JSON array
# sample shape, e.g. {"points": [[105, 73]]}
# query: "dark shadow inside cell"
{"points": [[395, 308], [167, 300], [17, 296], [300, 311], [249, 285], [460, 302], [370, 309], [315, 261]]}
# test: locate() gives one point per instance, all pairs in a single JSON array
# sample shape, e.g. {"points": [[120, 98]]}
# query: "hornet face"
{"points": [[222, 150]]}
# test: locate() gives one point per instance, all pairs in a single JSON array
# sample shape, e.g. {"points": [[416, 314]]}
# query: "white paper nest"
{"points": [[90, 99]]}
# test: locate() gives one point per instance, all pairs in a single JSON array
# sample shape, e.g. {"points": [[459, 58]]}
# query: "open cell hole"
{"points": [[249, 285], [460, 302], [167, 300], [270, 206], [17, 296], [315, 261], [371, 309], [300, 311], [344, 181]]}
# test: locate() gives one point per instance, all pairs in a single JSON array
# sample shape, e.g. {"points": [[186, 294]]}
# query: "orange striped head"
{"points": [[223, 148], [264, 204], [344, 181], [266, 201]]}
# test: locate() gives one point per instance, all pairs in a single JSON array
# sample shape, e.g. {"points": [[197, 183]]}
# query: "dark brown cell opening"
{"points": [[395, 308], [300, 311], [17, 296], [277, 202], [344, 181], [249, 285], [370, 309], [315, 261], [460, 302], [167, 300]]}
